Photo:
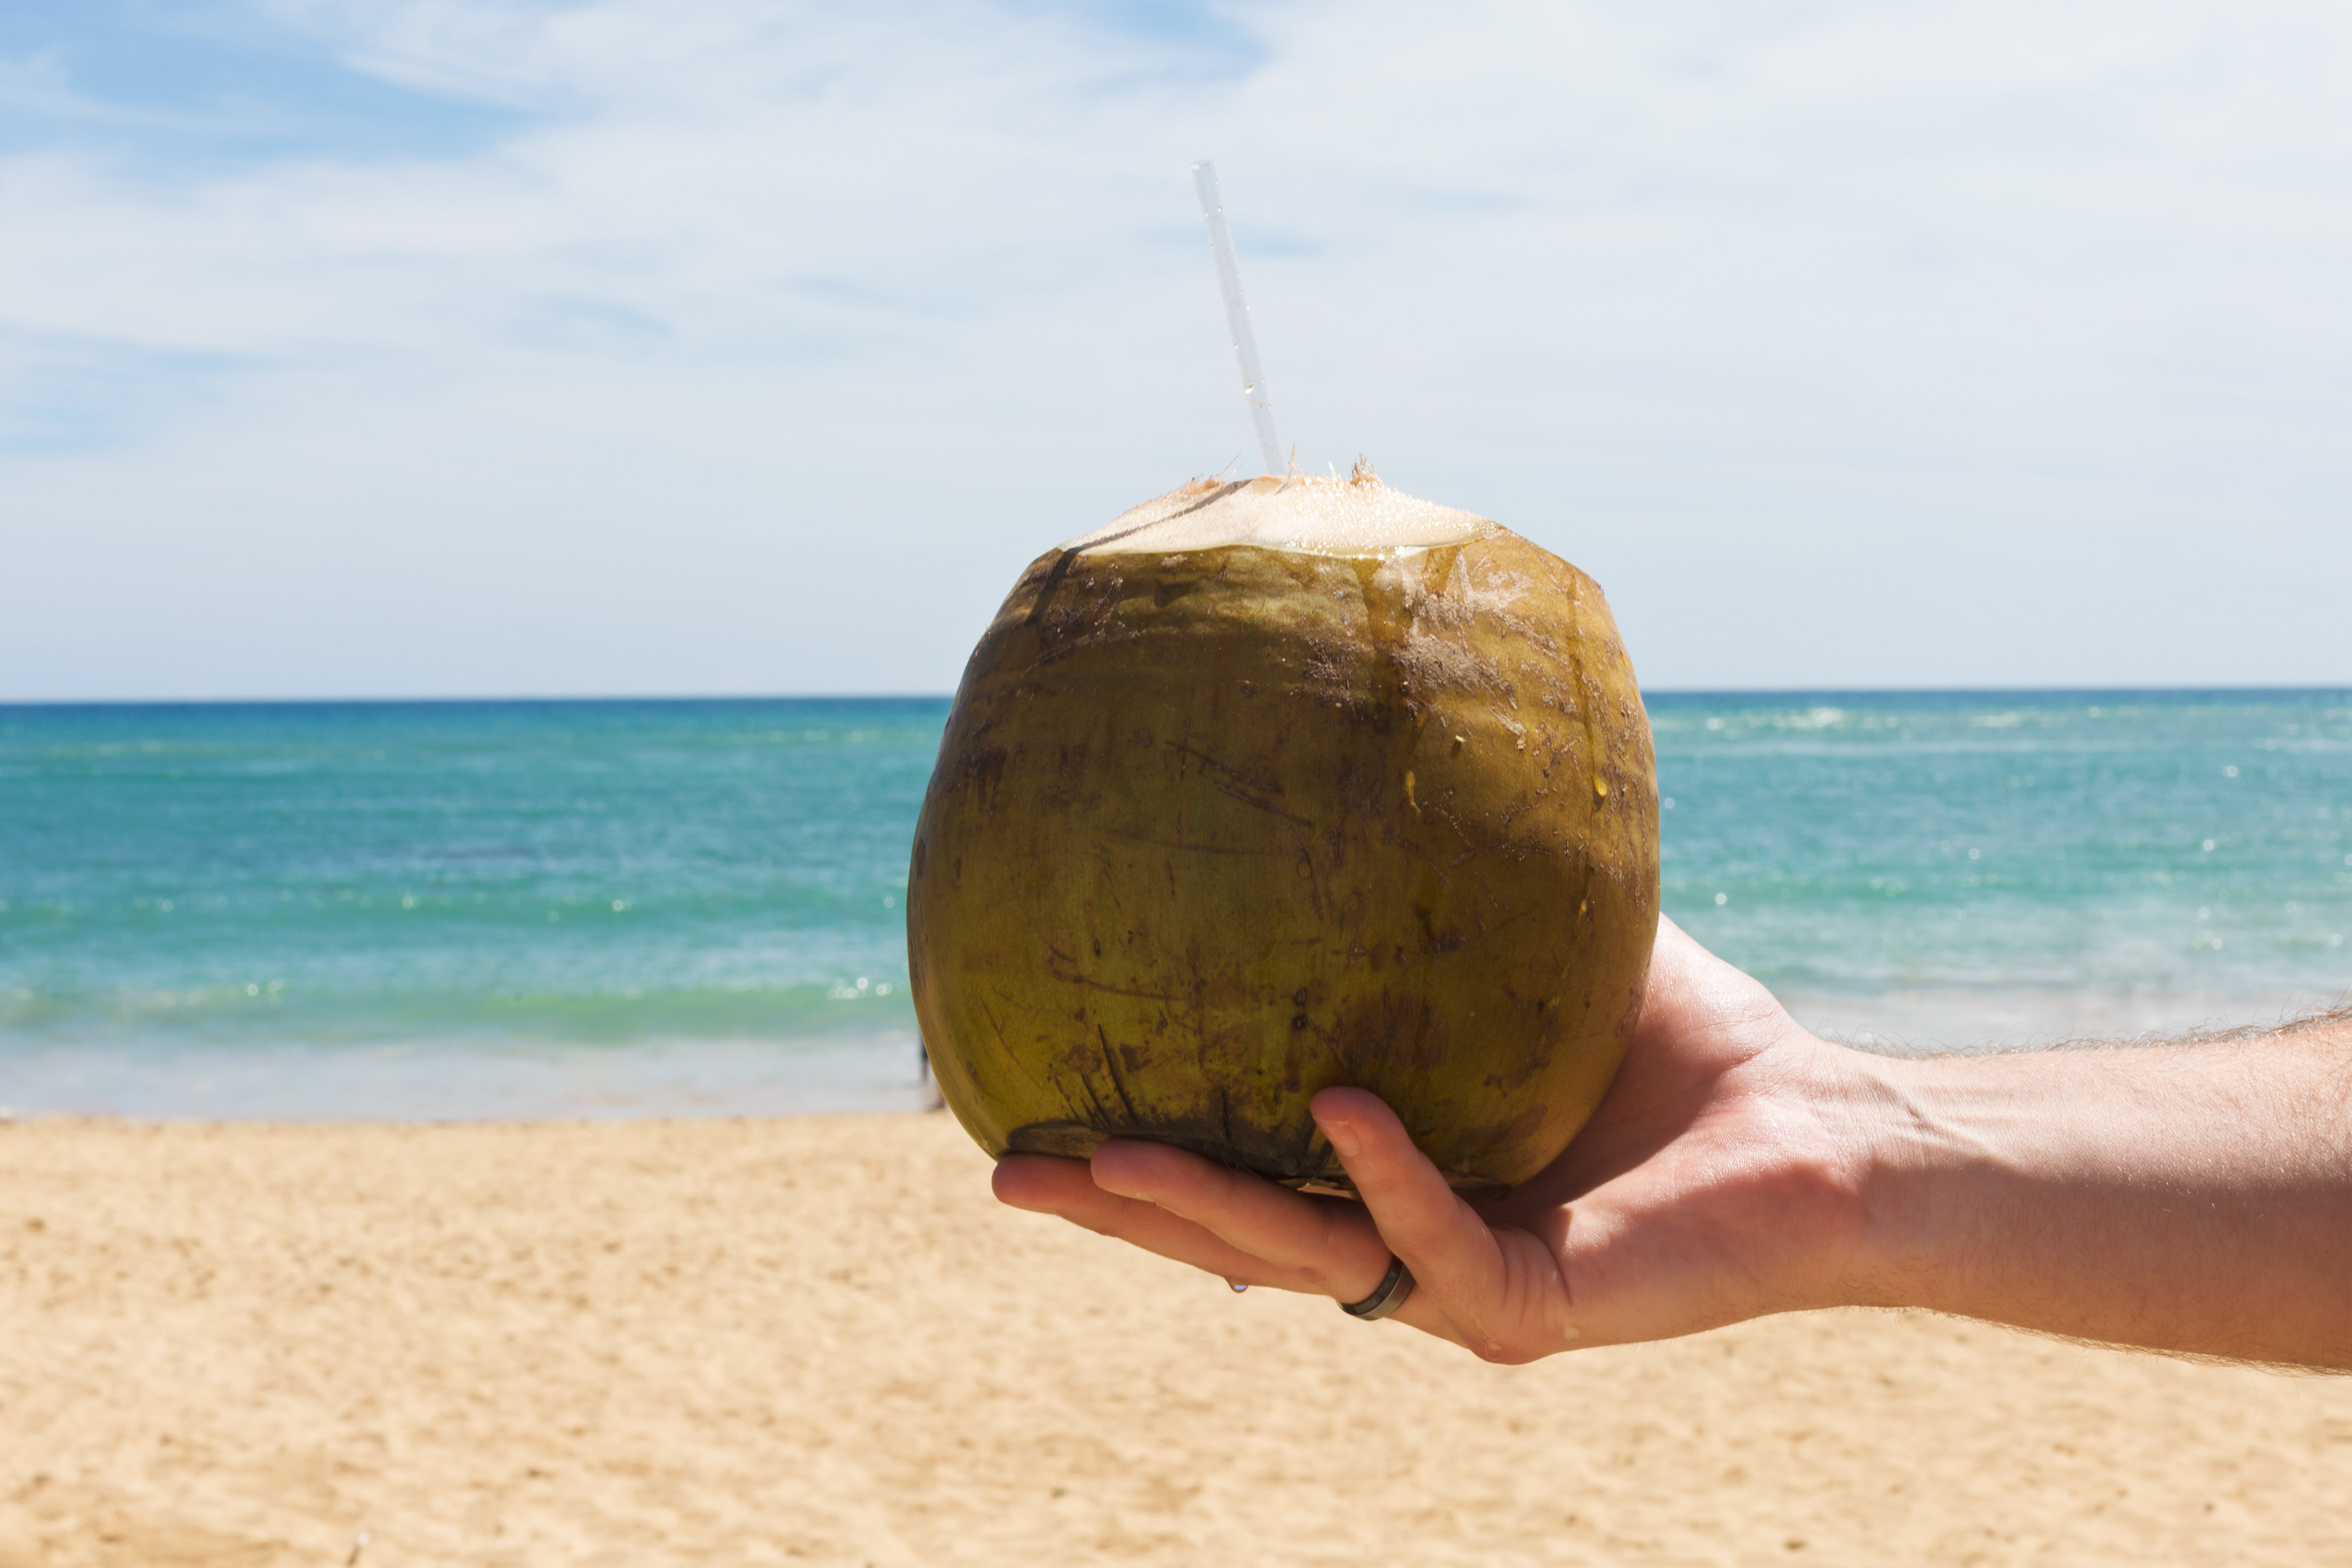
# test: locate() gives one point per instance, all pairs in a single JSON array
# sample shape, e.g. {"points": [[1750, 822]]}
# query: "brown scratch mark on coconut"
{"points": [[1060, 966], [1051, 586], [1238, 786], [1101, 1117], [1118, 1079], [983, 771], [1504, 846], [1224, 770], [1195, 848], [1488, 928]]}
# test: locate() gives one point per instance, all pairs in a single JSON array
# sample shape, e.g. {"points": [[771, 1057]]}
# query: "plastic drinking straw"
{"points": [[1237, 317]]}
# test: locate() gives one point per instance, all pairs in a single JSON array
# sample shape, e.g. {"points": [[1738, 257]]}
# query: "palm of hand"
{"points": [[1706, 1188]]}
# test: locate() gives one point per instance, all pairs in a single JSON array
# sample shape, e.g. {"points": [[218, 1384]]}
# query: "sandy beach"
{"points": [[819, 1340]]}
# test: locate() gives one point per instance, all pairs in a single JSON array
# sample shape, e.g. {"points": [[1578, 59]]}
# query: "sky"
{"points": [[368, 348]]}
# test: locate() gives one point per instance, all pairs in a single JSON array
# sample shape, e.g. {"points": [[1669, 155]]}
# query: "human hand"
{"points": [[1720, 1179]]}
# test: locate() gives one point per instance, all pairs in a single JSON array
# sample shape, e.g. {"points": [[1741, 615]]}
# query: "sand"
{"points": [[818, 1341]]}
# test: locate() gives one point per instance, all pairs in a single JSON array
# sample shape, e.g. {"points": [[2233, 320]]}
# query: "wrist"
{"points": [[1895, 1140], [1941, 1174], [1829, 1224]]}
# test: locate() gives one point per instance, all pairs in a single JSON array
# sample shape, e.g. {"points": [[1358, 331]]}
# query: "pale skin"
{"points": [[2195, 1198]]}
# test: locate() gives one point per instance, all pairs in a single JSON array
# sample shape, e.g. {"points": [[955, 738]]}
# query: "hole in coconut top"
{"points": [[1355, 516]]}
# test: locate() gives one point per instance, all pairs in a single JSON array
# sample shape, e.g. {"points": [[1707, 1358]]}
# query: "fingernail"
{"points": [[1343, 1138]]}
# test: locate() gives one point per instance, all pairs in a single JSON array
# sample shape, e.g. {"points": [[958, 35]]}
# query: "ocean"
{"points": [[450, 909]]}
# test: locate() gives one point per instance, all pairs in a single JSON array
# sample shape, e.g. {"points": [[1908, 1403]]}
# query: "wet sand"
{"points": [[818, 1341]]}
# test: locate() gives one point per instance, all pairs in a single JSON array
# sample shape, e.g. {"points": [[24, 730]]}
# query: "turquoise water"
{"points": [[2104, 842], [686, 904], [615, 907]]}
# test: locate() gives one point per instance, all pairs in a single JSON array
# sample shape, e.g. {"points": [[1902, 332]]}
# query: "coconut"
{"points": [[1280, 784]]}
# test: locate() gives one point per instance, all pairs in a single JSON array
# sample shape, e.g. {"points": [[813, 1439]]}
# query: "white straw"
{"points": [[1237, 317]]}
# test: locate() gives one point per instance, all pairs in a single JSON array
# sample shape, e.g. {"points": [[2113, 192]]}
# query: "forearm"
{"points": [[2193, 1198]]}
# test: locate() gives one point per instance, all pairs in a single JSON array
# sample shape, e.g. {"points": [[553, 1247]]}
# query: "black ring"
{"points": [[1386, 1297]]}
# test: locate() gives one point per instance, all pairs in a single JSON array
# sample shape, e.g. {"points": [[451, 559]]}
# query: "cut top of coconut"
{"points": [[1355, 516]]}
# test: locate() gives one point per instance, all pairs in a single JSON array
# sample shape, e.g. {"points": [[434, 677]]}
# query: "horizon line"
{"points": [[1674, 691]]}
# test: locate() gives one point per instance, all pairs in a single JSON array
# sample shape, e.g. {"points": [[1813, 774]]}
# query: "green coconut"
{"points": [[1280, 785]]}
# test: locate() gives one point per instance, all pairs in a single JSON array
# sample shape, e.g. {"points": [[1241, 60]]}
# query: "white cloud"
{"points": [[1847, 344]]}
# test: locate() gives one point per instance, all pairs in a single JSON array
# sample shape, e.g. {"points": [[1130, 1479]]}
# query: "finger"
{"points": [[1450, 1250], [1043, 1184], [1328, 1245]]}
